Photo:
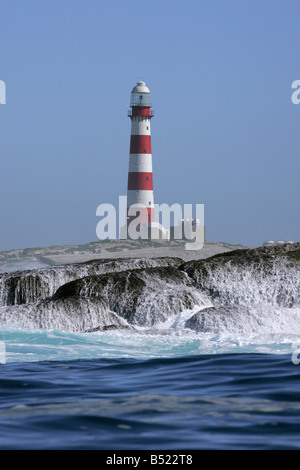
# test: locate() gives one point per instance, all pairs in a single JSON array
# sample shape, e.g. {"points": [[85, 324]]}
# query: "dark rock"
{"points": [[29, 286], [74, 314], [245, 257], [143, 297], [268, 274]]}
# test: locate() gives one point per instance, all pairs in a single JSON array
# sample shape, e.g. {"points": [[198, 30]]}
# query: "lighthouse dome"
{"points": [[140, 95], [140, 88]]}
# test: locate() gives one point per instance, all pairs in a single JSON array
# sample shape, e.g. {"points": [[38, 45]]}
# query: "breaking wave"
{"points": [[243, 294]]}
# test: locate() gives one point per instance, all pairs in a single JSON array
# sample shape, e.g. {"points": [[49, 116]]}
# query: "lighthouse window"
{"points": [[149, 203], [144, 150], [147, 128], [147, 178]]}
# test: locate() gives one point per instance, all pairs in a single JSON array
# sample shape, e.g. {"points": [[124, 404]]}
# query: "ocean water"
{"points": [[148, 390]]}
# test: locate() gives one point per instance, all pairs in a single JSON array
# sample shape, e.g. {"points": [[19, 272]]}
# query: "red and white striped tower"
{"points": [[140, 180]]}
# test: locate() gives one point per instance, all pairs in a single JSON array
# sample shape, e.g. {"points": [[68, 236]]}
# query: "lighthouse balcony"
{"points": [[140, 111]]}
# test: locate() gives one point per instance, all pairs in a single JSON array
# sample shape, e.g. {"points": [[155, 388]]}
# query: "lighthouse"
{"points": [[140, 201], [140, 180]]}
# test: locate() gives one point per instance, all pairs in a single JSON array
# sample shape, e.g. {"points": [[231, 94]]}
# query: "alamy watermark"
{"points": [[2, 92], [131, 223], [296, 94], [296, 353], [2, 353]]}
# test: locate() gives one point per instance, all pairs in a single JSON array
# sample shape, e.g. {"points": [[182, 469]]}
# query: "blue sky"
{"points": [[225, 132]]}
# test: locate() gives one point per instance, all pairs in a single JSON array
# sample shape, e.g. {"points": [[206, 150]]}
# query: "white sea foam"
{"points": [[43, 345]]}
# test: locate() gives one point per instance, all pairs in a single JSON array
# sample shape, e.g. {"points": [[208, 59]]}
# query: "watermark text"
{"points": [[2, 353], [296, 353], [296, 94], [135, 222], [2, 92]]}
